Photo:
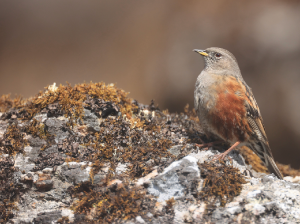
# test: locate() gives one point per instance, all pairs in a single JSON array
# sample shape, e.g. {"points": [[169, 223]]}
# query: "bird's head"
{"points": [[219, 59]]}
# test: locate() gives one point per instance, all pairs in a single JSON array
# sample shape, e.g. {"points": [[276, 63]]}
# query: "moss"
{"points": [[221, 183], [129, 148], [37, 129], [9, 190], [191, 113], [6, 208], [170, 205], [130, 133], [252, 159], [287, 170], [121, 139], [63, 220], [139, 156], [70, 159], [70, 100], [13, 141], [7, 103], [113, 203]]}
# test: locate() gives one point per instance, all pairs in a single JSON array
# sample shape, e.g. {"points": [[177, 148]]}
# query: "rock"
{"points": [[139, 219], [75, 172], [56, 127], [176, 180], [68, 213], [93, 155], [175, 150], [91, 121], [44, 185], [47, 217]]}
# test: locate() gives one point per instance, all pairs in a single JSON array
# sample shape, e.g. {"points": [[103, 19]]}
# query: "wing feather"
{"points": [[260, 144]]}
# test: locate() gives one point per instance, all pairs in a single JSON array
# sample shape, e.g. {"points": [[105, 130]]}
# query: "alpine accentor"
{"points": [[227, 109]]}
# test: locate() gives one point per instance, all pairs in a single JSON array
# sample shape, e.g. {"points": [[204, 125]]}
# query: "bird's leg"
{"points": [[224, 154]]}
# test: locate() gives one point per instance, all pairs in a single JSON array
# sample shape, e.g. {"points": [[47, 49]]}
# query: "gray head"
{"points": [[219, 59]]}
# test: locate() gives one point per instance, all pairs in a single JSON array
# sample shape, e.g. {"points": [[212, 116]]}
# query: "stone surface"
{"points": [[57, 128], [106, 152], [176, 180], [91, 120], [263, 200]]}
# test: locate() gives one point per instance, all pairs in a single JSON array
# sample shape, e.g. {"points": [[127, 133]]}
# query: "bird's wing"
{"points": [[260, 144], [253, 115]]}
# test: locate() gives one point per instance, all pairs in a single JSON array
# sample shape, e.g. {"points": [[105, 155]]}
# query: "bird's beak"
{"points": [[202, 52]]}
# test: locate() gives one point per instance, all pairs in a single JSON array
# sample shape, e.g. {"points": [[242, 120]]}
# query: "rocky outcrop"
{"points": [[89, 154]]}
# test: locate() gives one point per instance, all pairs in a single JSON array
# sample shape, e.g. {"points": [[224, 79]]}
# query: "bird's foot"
{"points": [[224, 154], [220, 156]]}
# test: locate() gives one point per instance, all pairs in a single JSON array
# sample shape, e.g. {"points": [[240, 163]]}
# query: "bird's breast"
{"points": [[221, 107]]}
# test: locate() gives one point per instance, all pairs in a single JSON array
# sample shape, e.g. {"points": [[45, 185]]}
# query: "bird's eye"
{"points": [[218, 55]]}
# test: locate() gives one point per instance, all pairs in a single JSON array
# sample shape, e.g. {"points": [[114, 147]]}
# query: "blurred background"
{"points": [[145, 47]]}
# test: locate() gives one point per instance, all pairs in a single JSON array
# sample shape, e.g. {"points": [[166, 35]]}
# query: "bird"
{"points": [[227, 109]]}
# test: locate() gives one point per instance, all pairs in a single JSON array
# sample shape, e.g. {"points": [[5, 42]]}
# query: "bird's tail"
{"points": [[272, 167], [262, 149]]}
